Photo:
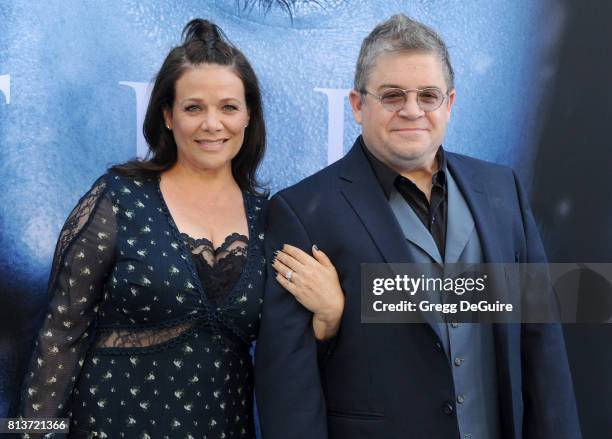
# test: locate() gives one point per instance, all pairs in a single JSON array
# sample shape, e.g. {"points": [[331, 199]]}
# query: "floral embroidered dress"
{"points": [[148, 330]]}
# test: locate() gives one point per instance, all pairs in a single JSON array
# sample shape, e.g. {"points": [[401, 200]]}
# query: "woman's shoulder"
{"points": [[259, 200], [127, 191], [117, 175], [261, 197], [127, 183], [257, 208], [97, 189]]}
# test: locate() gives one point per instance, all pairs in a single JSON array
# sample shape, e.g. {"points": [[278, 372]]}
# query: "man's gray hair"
{"points": [[400, 34]]}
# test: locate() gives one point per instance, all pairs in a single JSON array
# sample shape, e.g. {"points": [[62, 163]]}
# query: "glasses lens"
{"points": [[430, 99], [393, 99]]}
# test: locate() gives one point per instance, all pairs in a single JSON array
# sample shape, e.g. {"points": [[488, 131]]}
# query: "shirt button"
{"points": [[449, 409], [454, 324], [458, 361], [460, 399]]}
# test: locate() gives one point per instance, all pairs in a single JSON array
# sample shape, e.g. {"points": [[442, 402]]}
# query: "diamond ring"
{"points": [[288, 275]]}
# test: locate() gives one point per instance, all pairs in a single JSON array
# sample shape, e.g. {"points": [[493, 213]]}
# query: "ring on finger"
{"points": [[288, 275]]}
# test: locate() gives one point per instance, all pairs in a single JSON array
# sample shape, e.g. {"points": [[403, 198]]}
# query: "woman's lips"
{"points": [[211, 144]]}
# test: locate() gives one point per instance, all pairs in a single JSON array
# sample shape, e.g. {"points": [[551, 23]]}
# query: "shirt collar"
{"points": [[387, 176]]}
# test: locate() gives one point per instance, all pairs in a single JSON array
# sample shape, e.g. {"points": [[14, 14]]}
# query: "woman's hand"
{"points": [[314, 283]]}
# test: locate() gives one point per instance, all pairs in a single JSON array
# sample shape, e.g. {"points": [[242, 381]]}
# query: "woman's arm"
{"points": [[84, 255]]}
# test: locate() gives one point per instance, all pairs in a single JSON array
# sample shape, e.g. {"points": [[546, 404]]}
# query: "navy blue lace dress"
{"points": [[148, 331]]}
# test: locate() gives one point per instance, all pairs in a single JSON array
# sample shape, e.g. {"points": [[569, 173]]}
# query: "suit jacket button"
{"points": [[438, 346], [449, 409]]}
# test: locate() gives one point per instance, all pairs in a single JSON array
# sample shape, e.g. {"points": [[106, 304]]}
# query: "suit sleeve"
{"points": [[548, 394], [287, 382]]}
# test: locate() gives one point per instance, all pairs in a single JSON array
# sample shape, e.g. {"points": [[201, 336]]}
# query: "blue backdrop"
{"points": [[74, 80]]}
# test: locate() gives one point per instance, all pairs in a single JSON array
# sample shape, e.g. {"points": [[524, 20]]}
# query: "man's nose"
{"points": [[212, 121], [411, 108]]}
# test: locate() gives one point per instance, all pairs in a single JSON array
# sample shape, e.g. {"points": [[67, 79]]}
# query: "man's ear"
{"points": [[450, 102], [356, 100]]}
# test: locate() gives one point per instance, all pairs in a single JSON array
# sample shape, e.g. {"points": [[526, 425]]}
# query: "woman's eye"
{"points": [[229, 108], [192, 108]]}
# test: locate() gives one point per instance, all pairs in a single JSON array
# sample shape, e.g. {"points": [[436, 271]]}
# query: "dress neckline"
{"points": [[229, 239], [250, 217], [204, 240]]}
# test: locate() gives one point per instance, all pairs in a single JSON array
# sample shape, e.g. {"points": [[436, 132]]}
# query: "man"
{"points": [[397, 196]]}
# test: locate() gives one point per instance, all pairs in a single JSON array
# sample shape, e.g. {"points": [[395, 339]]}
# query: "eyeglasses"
{"points": [[393, 99]]}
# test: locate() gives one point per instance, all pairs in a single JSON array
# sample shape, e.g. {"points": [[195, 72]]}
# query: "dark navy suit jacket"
{"points": [[392, 380]]}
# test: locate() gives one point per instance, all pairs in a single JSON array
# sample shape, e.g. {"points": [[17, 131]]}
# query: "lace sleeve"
{"points": [[83, 258]]}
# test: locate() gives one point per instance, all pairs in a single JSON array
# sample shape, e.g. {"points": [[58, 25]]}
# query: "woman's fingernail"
{"points": [[315, 247]]}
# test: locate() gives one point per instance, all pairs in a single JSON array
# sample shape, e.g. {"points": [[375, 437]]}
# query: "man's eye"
{"points": [[393, 96], [428, 97], [431, 94]]}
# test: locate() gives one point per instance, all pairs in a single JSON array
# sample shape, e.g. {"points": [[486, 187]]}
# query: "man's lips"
{"points": [[409, 130]]}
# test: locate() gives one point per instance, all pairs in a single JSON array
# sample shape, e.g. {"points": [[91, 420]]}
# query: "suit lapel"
{"points": [[475, 192], [482, 204], [459, 223], [478, 198], [413, 228], [363, 192]]}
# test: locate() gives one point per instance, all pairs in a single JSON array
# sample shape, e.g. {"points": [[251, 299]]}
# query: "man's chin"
{"points": [[410, 151]]}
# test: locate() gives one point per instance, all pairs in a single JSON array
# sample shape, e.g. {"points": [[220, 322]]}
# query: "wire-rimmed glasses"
{"points": [[393, 99]]}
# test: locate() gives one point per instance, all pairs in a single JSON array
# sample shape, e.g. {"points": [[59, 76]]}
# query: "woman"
{"points": [[157, 279]]}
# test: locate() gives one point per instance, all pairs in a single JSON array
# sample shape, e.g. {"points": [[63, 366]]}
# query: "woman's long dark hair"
{"points": [[203, 43]]}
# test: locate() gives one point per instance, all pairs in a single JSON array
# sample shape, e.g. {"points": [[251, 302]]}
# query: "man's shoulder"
{"points": [[464, 163], [316, 184], [476, 163]]}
